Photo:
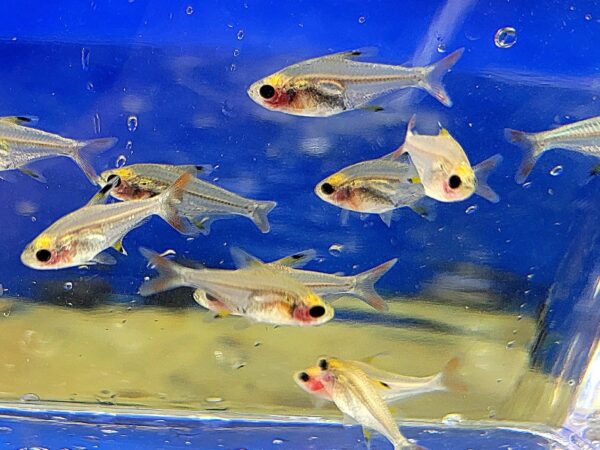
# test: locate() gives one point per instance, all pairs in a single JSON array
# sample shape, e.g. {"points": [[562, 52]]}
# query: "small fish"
{"points": [[203, 202], [259, 293], [444, 169], [327, 285], [335, 83], [392, 387], [21, 145], [355, 394], [377, 186], [582, 136], [80, 237]]}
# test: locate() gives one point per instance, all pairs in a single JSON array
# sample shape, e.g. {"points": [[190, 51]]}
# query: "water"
{"points": [[510, 288]]}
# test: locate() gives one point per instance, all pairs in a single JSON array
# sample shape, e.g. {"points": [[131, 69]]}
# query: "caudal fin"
{"points": [[260, 213], [432, 82], [93, 146], [450, 379], [482, 172], [169, 274], [170, 201], [531, 151], [365, 289]]}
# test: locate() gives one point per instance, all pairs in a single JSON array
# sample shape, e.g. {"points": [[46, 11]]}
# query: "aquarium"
{"points": [[387, 254]]}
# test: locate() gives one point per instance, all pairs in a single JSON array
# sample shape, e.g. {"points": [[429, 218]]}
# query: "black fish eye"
{"points": [[327, 189], [303, 376], [114, 180], [323, 364], [43, 255], [316, 311], [266, 91], [454, 181]]}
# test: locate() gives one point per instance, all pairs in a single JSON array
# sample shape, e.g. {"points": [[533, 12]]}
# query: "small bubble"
{"points": [[571, 382], [441, 47], [213, 399], [30, 397], [527, 185], [520, 317], [572, 8], [336, 249], [452, 419], [471, 209], [68, 286], [505, 37], [169, 252], [236, 52], [588, 17], [240, 35], [97, 125], [362, 19], [278, 441], [129, 146], [189, 10], [257, 344], [85, 58], [530, 276], [89, 86], [120, 162], [556, 171], [232, 68], [510, 345], [132, 123]]}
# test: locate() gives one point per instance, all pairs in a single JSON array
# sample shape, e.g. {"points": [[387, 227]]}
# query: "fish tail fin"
{"points": [[260, 213], [482, 172], [365, 285], [170, 202], [450, 379], [432, 81], [532, 149], [169, 274], [92, 146]]}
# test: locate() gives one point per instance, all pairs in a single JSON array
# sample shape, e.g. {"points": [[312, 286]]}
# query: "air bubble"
{"points": [[336, 249], [169, 252], [362, 19], [588, 17], [452, 419], [240, 35], [68, 286], [30, 397], [556, 171], [571, 382], [213, 399], [232, 68], [441, 47], [471, 209], [510, 345], [505, 37], [278, 441], [97, 125], [236, 52], [89, 86], [132, 123], [189, 10], [129, 146], [85, 58], [527, 185], [120, 162]]}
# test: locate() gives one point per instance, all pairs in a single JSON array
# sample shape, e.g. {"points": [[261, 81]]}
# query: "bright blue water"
{"points": [[184, 77]]}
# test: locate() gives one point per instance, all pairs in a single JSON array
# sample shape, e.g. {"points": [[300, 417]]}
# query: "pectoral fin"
{"points": [[33, 174], [118, 246], [104, 258]]}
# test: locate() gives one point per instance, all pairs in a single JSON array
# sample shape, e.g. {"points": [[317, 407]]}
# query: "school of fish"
{"points": [[423, 170]]}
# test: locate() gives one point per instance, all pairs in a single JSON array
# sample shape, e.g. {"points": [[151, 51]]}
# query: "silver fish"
{"points": [[336, 83], [20, 145], [203, 202], [582, 136]]}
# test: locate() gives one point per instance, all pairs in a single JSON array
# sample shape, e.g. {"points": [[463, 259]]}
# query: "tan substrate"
{"points": [[163, 358]]}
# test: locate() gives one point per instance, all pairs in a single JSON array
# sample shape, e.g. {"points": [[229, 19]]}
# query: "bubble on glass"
{"points": [[527, 185], [129, 145], [30, 397], [277, 441], [189, 10], [505, 37], [362, 19], [132, 123], [213, 399], [336, 249], [236, 52], [89, 86], [240, 35], [571, 382], [169, 252], [588, 17], [556, 171], [441, 47], [510, 345], [471, 209], [530, 276], [97, 124], [68, 286], [120, 162], [452, 419], [232, 68], [85, 58]]}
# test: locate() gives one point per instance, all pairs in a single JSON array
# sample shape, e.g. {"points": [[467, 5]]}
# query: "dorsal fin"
{"points": [[298, 259], [20, 120], [243, 259]]}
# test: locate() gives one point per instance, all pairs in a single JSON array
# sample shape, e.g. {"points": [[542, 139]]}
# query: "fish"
{"points": [[355, 395], [326, 285], [444, 168], [335, 83], [259, 293], [81, 237], [20, 145], [391, 387], [204, 202], [582, 136], [376, 186]]}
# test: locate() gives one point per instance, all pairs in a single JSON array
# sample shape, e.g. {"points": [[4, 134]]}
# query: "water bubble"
{"points": [[530, 276], [588, 17], [89, 86], [471, 209], [132, 123], [556, 171], [527, 185], [129, 145], [362, 19], [213, 399], [510, 345], [278, 441], [120, 162], [30, 397], [240, 35], [571, 382], [68, 286], [336, 249], [169, 252], [441, 47], [189, 10], [232, 68], [85, 58], [97, 125], [452, 419], [236, 52], [505, 37]]}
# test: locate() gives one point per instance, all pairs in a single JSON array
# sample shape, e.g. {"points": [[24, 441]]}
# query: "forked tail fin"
{"points": [[260, 213], [482, 172], [365, 289], [169, 274], [93, 146], [432, 81], [532, 149]]}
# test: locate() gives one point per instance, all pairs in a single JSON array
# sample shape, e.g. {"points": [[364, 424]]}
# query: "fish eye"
{"points": [[327, 189], [303, 376], [316, 311], [454, 182], [266, 91], [114, 180], [323, 364], [43, 255]]}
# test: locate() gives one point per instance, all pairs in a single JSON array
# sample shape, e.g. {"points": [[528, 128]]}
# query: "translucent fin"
{"points": [[532, 149], [425, 207], [168, 274], [198, 169], [33, 174], [296, 260], [20, 120], [449, 378], [203, 224], [118, 246], [170, 201], [260, 213], [104, 258], [482, 172], [364, 287], [93, 146], [243, 259], [386, 217], [373, 108], [435, 72]]}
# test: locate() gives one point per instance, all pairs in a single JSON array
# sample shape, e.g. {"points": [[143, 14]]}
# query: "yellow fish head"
{"points": [[461, 183], [265, 91], [41, 253], [328, 188]]}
